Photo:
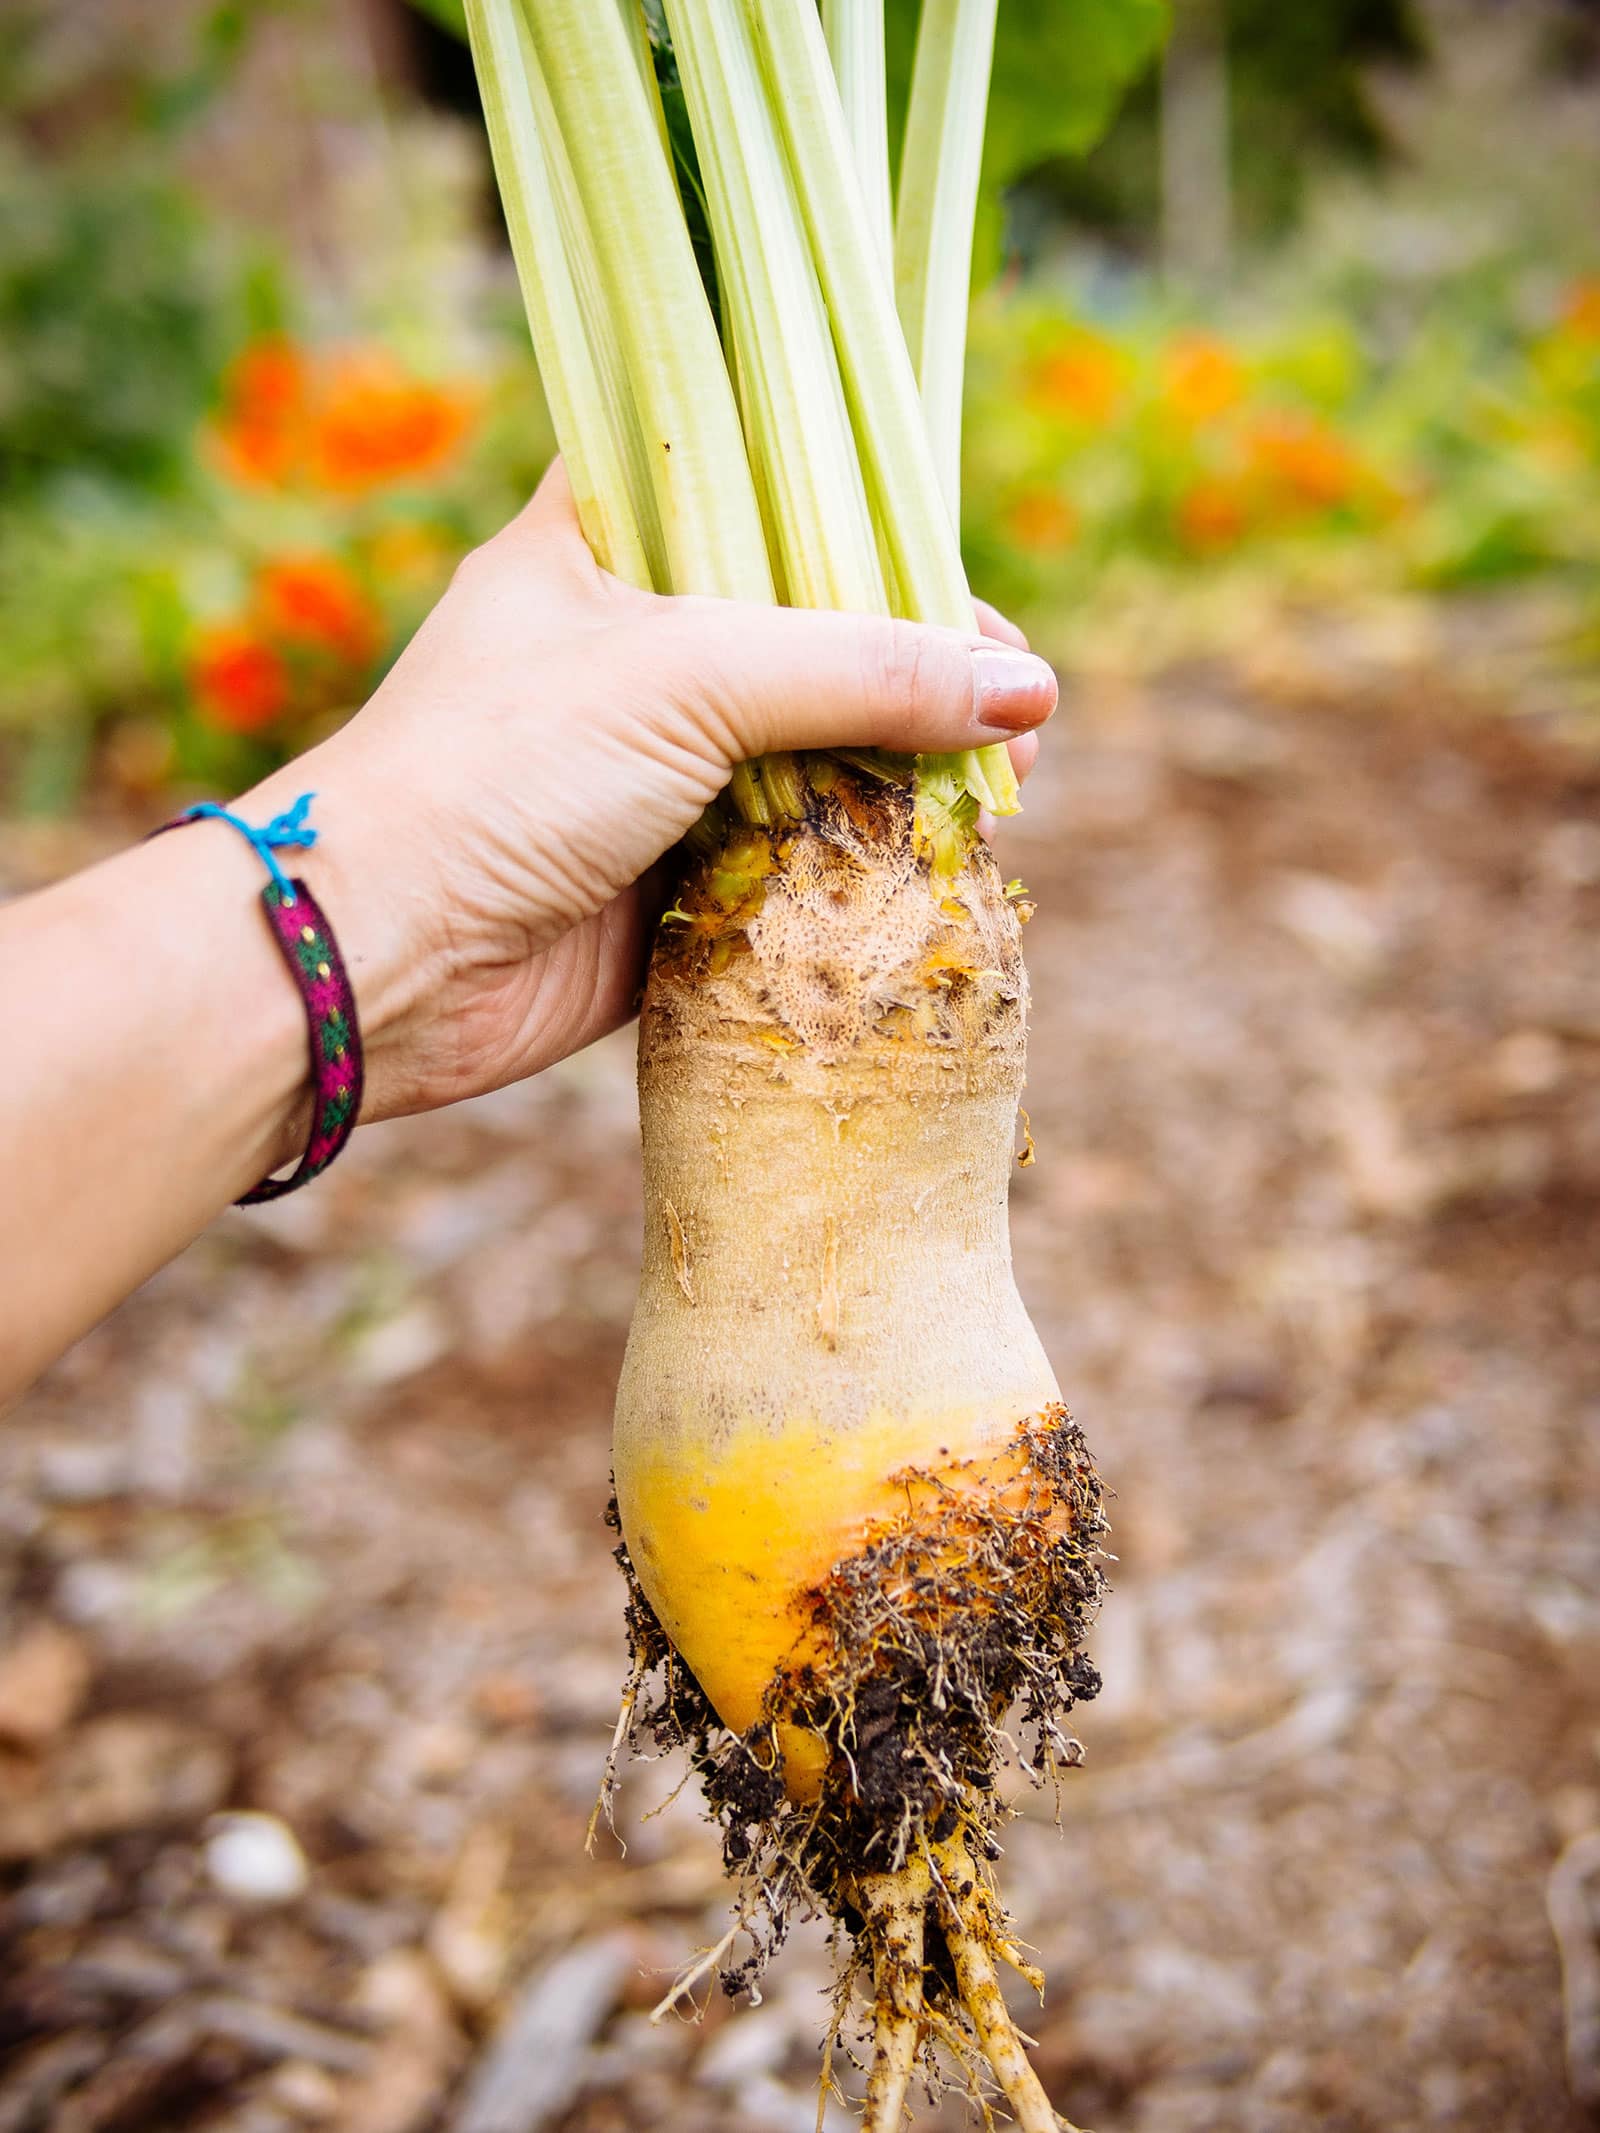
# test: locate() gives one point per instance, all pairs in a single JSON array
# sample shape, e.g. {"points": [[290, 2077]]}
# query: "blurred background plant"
{"points": [[1395, 392], [1309, 324], [260, 384]]}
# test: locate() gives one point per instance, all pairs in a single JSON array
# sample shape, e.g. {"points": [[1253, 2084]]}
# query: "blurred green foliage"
{"points": [[1298, 89], [1404, 399], [1060, 70], [1290, 454], [186, 591], [117, 307], [120, 298]]}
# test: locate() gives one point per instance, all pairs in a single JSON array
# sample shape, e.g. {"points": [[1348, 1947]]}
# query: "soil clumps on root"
{"points": [[966, 1610]]}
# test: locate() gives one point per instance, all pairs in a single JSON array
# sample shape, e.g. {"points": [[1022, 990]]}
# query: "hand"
{"points": [[484, 825], [489, 821]]}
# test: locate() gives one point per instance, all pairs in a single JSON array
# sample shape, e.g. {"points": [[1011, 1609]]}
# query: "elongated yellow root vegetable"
{"points": [[851, 1500]]}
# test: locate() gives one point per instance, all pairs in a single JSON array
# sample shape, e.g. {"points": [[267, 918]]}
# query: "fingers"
{"points": [[994, 624], [1024, 753], [769, 678]]}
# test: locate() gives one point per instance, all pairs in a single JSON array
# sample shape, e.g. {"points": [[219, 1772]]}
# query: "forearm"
{"points": [[153, 1066], [154, 1055]]}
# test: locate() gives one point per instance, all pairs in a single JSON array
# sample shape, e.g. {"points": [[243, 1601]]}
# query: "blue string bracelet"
{"points": [[305, 940]]}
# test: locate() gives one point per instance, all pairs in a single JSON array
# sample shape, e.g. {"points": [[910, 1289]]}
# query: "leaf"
{"points": [[450, 15], [1060, 70]]}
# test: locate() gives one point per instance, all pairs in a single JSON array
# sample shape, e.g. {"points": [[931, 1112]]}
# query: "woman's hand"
{"points": [[485, 827], [489, 821]]}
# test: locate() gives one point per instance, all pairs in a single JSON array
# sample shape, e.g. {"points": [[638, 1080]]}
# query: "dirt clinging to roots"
{"points": [[968, 1609]]}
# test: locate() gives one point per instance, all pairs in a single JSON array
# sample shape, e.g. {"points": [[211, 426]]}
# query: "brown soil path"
{"points": [[313, 1526]]}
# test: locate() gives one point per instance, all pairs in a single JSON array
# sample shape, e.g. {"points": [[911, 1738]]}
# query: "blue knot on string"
{"points": [[283, 832]]}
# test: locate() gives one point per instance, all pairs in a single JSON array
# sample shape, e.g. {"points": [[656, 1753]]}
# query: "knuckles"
{"points": [[907, 684], [485, 578]]}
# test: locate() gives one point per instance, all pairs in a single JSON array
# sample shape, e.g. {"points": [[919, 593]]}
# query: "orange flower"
{"points": [[314, 601], [269, 377], [240, 683], [1212, 514], [264, 399], [1580, 308], [1304, 463], [1083, 379], [1040, 519], [349, 422], [375, 423], [1203, 378]]}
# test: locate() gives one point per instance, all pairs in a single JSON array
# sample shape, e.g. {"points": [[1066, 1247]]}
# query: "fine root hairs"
{"points": [[704, 1966], [603, 1809]]}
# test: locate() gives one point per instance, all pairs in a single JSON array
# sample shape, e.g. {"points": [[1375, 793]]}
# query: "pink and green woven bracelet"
{"points": [[306, 942]]}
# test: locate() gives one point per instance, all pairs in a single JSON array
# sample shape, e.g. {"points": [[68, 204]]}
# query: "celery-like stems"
{"points": [[936, 208], [638, 34], [594, 426], [855, 39], [710, 522], [605, 343], [902, 482], [797, 425]]}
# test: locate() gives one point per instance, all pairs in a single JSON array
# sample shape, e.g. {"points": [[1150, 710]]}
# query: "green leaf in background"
{"points": [[449, 14], [1060, 70]]}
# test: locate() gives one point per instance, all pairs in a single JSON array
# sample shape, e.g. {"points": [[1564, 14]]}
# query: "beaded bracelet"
{"points": [[306, 942]]}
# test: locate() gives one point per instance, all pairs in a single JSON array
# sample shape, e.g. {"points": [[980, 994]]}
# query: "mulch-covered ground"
{"points": [[312, 1529]]}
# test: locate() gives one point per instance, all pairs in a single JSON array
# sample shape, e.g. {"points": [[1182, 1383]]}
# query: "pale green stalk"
{"points": [[711, 525], [605, 347], [797, 425], [638, 36], [855, 34], [936, 209], [593, 421], [902, 481], [855, 39]]}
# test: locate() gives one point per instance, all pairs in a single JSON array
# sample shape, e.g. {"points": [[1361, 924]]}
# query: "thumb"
{"points": [[780, 677]]}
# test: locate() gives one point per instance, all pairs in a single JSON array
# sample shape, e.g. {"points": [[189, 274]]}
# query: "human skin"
{"points": [[487, 829]]}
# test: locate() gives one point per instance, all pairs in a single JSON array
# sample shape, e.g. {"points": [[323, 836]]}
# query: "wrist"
{"points": [[365, 874], [188, 979]]}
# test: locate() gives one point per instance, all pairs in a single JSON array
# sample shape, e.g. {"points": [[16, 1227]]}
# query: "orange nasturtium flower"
{"points": [[1212, 514], [1202, 378], [1580, 308], [1305, 464], [241, 684], [1041, 519], [375, 422], [1083, 379], [347, 422], [314, 601], [265, 395]]}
